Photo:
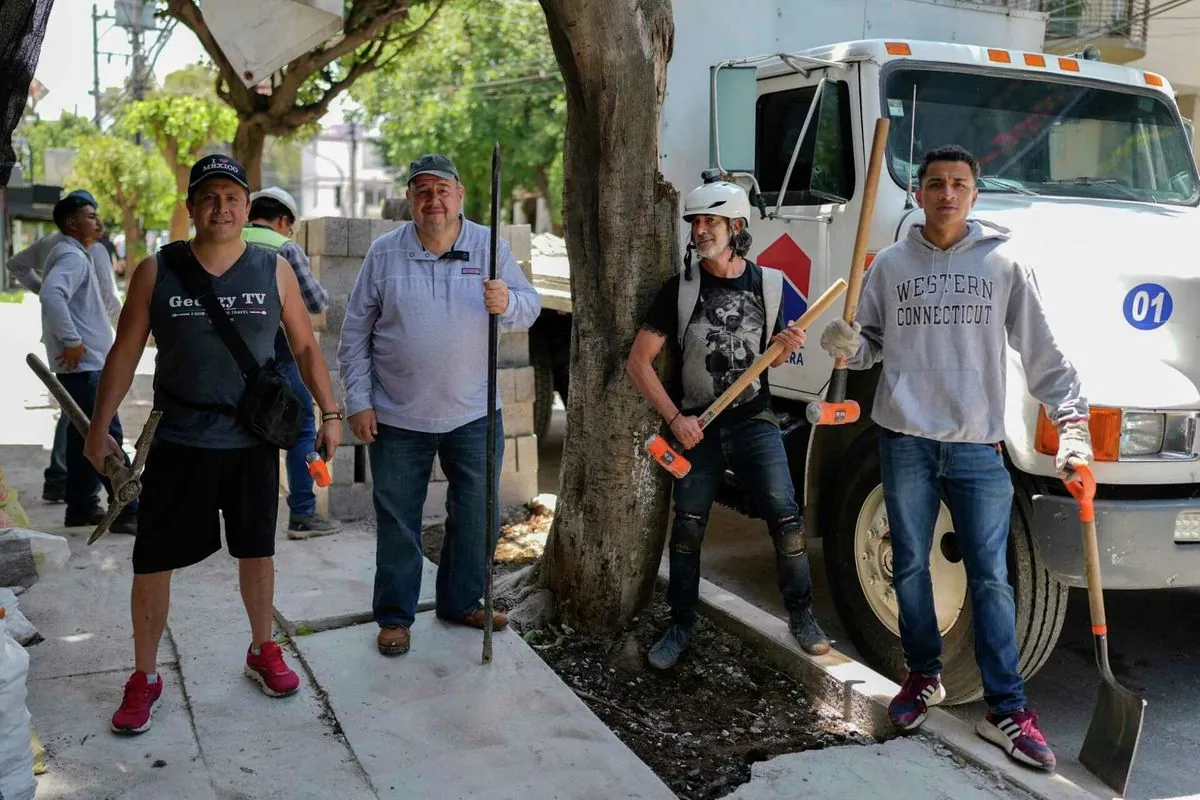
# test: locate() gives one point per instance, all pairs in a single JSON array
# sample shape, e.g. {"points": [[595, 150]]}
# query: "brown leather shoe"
{"points": [[393, 641], [476, 619]]}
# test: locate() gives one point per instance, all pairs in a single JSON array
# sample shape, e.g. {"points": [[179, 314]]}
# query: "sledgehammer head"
{"points": [[664, 454], [825, 413]]}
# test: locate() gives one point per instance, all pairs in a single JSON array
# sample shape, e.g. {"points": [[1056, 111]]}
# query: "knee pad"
{"points": [[788, 537], [688, 532]]}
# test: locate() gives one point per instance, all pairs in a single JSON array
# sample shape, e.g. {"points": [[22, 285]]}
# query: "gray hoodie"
{"points": [[938, 319]]}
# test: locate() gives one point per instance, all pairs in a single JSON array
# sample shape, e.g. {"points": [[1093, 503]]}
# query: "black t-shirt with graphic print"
{"points": [[724, 337]]}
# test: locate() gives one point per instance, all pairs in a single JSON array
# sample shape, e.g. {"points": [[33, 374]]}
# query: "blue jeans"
{"points": [[55, 476], [978, 491], [301, 500], [401, 464], [754, 450], [83, 482]]}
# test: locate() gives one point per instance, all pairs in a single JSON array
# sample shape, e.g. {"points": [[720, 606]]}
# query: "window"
{"points": [[824, 169], [1043, 137]]}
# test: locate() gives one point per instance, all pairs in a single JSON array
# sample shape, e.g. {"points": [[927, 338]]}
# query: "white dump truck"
{"points": [[1091, 166]]}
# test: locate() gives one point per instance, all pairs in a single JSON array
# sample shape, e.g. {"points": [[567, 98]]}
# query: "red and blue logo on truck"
{"points": [[789, 258]]}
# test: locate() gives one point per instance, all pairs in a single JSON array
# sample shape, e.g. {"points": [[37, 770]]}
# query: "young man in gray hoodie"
{"points": [[937, 309]]}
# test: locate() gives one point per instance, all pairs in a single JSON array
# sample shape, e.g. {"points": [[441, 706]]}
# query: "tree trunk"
{"points": [[180, 221], [603, 551], [134, 246], [248, 145]]}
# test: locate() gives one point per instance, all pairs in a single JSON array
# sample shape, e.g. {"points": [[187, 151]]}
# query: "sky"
{"points": [[65, 64]]}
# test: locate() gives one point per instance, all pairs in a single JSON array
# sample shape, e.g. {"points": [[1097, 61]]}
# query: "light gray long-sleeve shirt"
{"points": [[73, 309], [939, 319], [29, 267], [415, 337]]}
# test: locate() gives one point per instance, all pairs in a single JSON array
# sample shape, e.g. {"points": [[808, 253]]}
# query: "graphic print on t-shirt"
{"points": [[723, 339], [235, 305]]}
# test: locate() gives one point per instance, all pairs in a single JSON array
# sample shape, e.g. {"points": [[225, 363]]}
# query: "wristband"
{"points": [[672, 422], [331, 415]]}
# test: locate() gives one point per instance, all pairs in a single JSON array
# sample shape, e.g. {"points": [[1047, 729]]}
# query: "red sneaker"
{"points": [[137, 707], [270, 671]]}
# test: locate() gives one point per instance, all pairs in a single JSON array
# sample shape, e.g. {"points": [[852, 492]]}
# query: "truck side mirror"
{"points": [[732, 113]]}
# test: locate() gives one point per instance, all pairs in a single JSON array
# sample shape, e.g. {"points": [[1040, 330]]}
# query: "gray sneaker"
{"points": [[669, 648], [308, 527], [808, 633]]}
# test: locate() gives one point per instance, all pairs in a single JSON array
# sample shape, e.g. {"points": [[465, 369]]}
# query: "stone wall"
{"points": [[336, 247]]}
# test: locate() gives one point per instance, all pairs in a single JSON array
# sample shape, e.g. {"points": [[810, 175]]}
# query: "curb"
{"points": [[860, 696]]}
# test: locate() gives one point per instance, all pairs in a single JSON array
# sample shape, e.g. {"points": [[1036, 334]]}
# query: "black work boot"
{"points": [[808, 633]]}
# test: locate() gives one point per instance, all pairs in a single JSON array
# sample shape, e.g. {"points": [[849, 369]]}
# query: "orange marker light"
{"points": [[1152, 79], [999, 56], [1068, 65], [1034, 60], [898, 49], [1104, 426]]}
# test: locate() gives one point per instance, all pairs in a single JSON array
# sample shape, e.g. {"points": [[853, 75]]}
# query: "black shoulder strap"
{"points": [[179, 257]]}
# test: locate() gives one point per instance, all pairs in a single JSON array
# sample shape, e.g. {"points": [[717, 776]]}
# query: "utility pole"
{"points": [[96, 62]]}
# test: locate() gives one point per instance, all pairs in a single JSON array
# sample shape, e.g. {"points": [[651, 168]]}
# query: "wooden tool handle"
{"points": [[865, 217], [762, 362], [1082, 486]]}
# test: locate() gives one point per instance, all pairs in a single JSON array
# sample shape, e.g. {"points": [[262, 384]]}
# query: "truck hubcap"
{"points": [[873, 560]]}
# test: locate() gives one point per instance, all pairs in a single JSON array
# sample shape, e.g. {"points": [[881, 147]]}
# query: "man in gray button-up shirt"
{"points": [[413, 357]]}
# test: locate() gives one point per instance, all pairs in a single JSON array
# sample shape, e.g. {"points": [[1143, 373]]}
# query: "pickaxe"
{"points": [[836, 409], [669, 457], [126, 481]]}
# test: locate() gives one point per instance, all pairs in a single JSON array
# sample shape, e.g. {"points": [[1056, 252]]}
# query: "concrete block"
{"points": [[514, 349], [527, 453], [336, 273], [381, 226], [335, 312], [327, 236], [351, 502], [509, 464], [342, 468], [300, 234], [413, 722], [358, 236], [516, 384], [519, 486], [518, 418]]}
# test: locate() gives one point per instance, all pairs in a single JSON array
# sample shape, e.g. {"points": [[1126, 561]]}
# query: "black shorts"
{"points": [[184, 488]]}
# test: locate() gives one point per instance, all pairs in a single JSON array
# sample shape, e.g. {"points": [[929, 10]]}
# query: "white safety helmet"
{"points": [[281, 197], [720, 199]]}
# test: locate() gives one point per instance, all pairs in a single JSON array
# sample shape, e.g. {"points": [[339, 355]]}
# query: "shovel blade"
{"points": [[1112, 738]]}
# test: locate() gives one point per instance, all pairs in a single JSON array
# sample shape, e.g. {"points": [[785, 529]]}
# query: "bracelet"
{"points": [[672, 422], [331, 415]]}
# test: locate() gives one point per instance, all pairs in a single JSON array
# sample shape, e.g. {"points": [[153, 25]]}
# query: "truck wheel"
{"points": [[543, 386], [859, 566]]}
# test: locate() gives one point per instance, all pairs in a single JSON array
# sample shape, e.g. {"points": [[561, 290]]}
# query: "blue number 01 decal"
{"points": [[1148, 306]]}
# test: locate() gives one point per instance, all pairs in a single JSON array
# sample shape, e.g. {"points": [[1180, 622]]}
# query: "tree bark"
{"points": [[602, 555], [179, 213], [248, 149]]}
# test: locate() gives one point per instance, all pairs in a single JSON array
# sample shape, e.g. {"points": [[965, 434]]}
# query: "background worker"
{"points": [[731, 315], [940, 404], [78, 334], [27, 268], [273, 214]]}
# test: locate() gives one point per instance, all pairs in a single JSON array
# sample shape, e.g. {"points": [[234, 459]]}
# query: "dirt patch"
{"points": [[701, 724], [523, 532]]}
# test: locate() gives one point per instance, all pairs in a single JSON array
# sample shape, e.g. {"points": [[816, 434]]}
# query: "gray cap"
{"points": [[432, 164]]}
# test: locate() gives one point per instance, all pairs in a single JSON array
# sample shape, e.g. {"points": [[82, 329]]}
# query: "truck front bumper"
{"points": [[1144, 544]]}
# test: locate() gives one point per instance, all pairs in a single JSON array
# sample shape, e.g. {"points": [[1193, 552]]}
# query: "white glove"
{"points": [[840, 338], [1074, 446]]}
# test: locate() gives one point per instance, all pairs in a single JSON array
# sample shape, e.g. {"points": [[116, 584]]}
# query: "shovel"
{"points": [[1112, 737]]}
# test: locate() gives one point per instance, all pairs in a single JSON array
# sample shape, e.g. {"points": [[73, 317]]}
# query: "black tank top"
{"points": [[193, 363]]}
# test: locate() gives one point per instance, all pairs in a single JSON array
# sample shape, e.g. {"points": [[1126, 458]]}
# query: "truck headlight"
{"points": [[1135, 435]]}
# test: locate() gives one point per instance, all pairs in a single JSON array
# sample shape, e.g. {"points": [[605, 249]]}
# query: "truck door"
{"points": [[809, 186]]}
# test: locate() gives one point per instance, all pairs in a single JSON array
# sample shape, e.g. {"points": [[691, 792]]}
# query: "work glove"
{"points": [[840, 338], [1074, 446]]}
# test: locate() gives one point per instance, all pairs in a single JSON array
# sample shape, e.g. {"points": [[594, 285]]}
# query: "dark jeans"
{"points": [[83, 482], [301, 500], [754, 450], [55, 476], [978, 490], [401, 464]]}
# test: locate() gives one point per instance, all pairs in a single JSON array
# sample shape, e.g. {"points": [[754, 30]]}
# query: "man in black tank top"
{"points": [[203, 465]]}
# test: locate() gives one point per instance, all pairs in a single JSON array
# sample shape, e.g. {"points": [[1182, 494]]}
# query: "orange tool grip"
{"points": [[1100, 630], [1082, 486], [318, 469]]}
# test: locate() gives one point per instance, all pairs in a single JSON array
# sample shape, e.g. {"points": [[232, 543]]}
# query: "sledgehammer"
{"points": [[670, 458], [836, 409]]}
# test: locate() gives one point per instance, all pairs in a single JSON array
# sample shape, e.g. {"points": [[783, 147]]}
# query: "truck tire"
{"points": [[858, 565]]}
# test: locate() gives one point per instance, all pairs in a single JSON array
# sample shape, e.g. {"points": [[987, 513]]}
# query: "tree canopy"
{"points": [[485, 72]]}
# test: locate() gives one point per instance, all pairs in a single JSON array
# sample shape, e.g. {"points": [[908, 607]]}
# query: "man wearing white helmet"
{"points": [[717, 323], [273, 214]]}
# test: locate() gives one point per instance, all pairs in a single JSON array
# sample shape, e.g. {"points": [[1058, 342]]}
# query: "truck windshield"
{"points": [[1043, 137]]}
